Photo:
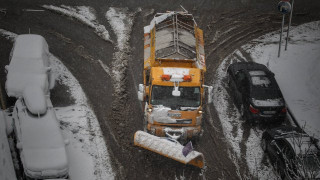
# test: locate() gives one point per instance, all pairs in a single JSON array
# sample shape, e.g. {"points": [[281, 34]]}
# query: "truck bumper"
{"points": [[178, 132]]}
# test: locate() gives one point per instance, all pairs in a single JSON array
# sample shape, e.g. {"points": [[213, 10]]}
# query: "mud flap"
{"points": [[167, 148]]}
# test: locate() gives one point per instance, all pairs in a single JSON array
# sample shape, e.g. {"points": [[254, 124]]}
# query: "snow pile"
{"points": [[87, 151], [227, 113], [6, 165], [255, 155], [297, 71], [8, 35], [121, 22], [85, 15]]}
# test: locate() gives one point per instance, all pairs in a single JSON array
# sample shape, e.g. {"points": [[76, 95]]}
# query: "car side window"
{"points": [[240, 77]]}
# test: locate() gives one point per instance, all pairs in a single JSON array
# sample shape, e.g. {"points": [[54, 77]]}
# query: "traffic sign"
{"points": [[284, 7]]}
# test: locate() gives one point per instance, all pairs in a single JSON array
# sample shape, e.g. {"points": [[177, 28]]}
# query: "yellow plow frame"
{"points": [[167, 148]]}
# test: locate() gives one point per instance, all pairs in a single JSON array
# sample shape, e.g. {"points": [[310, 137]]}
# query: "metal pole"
{"points": [[289, 25], [281, 35]]}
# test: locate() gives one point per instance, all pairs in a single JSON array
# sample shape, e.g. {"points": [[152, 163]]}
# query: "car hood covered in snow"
{"points": [[43, 147]]}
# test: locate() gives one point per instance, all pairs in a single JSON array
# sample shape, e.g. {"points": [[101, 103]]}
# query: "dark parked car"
{"points": [[292, 152], [256, 92]]}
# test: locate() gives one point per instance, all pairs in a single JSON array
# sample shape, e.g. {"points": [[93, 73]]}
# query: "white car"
{"points": [[29, 65], [39, 140]]}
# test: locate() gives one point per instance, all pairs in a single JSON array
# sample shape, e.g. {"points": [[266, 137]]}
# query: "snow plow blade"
{"points": [[167, 148]]}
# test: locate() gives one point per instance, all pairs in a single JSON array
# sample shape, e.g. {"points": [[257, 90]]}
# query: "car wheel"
{"points": [[264, 145]]}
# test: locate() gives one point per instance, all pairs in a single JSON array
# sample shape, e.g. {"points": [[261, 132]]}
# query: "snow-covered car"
{"points": [[39, 141], [292, 152], [256, 92], [29, 65]]}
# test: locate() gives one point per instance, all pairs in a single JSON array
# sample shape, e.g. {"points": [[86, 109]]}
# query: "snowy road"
{"points": [[93, 61]]}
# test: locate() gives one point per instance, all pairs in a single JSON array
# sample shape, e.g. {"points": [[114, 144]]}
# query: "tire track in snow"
{"points": [[84, 14]]}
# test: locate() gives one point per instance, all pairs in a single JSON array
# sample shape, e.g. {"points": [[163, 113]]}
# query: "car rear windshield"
{"points": [[162, 95], [264, 86]]}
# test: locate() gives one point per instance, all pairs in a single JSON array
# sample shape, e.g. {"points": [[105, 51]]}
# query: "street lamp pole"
{"points": [[289, 25], [281, 35]]}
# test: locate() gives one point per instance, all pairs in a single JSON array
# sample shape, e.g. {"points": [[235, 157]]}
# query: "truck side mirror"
{"points": [[141, 92]]}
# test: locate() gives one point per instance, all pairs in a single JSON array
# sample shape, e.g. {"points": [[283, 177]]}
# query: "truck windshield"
{"points": [[162, 95]]}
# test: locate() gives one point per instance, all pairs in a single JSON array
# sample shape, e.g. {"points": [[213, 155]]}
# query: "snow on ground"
{"points": [[89, 158], [255, 157], [85, 15], [6, 165], [297, 71], [228, 114], [87, 151], [121, 21], [232, 125]]}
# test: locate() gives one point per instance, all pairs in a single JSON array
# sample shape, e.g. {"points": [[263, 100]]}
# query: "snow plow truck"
{"points": [[173, 89]]}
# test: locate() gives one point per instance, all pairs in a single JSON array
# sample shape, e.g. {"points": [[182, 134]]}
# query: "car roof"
{"points": [[28, 46], [248, 66], [303, 145], [283, 132]]}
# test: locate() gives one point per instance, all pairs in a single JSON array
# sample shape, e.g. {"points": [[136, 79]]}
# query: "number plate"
{"points": [[269, 112]]}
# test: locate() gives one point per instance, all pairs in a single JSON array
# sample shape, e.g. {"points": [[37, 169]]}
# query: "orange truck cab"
{"points": [[174, 67]]}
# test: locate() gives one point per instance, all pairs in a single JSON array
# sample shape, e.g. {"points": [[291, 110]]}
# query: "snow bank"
{"points": [[87, 151], [255, 155], [121, 21], [297, 71], [6, 165], [83, 14], [228, 114]]}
